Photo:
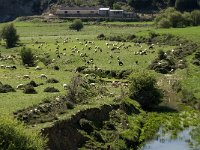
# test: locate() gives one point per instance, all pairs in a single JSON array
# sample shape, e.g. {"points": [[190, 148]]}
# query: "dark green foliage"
{"points": [[9, 34], [172, 18], [185, 5], [51, 90], [76, 25], [196, 59], [86, 125], [79, 90], [195, 16], [101, 37], [5, 88], [14, 136], [33, 83], [27, 57], [46, 60], [164, 63], [28, 89], [143, 89], [52, 80]]}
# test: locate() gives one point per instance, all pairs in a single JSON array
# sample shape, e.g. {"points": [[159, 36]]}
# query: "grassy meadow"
{"points": [[51, 38], [48, 34]]}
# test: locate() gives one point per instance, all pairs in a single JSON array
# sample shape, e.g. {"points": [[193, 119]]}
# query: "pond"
{"points": [[183, 141]]}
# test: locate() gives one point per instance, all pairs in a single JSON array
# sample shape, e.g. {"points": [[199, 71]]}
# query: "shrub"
{"points": [[172, 18], [5, 88], [76, 25], [51, 90], [16, 137], [143, 89], [28, 89], [27, 57], [101, 37], [46, 60], [56, 68], [33, 83], [195, 15], [164, 23], [52, 80], [9, 34], [79, 90]]}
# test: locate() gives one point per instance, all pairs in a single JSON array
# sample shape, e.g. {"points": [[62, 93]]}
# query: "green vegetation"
{"points": [[172, 18], [9, 34], [86, 72], [143, 89], [15, 136], [27, 57], [76, 25]]}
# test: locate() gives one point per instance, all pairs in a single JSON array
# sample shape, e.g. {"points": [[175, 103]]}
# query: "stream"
{"points": [[183, 141]]}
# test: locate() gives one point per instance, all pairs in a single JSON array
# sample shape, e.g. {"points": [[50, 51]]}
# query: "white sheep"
{"points": [[26, 77], [65, 86], [38, 68], [3, 67], [43, 76], [20, 86]]}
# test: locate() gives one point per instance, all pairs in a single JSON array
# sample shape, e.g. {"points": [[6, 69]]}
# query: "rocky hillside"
{"points": [[10, 9]]}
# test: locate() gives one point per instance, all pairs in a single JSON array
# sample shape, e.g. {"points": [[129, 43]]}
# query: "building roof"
{"points": [[79, 8], [116, 10], [104, 8]]}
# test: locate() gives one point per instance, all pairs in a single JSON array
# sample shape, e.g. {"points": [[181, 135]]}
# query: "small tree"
{"points": [[76, 25], [27, 57], [143, 89], [195, 15], [9, 34]]}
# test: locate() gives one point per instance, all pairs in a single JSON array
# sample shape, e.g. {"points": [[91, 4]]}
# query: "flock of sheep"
{"points": [[85, 53]]}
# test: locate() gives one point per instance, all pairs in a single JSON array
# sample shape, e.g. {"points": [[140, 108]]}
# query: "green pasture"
{"points": [[50, 35]]}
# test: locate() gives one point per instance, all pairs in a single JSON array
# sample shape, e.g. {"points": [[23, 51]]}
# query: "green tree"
{"points": [[185, 5], [9, 34], [27, 57], [76, 25], [143, 89], [195, 16]]}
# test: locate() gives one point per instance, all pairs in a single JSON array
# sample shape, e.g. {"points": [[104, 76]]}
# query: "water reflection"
{"points": [[183, 141]]}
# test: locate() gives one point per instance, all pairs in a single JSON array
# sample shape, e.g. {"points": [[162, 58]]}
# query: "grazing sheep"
{"points": [[43, 76], [92, 84], [120, 63], [114, 84], [3, 67], [20, 86], [65, 86], [38, 68], [26, 77]]}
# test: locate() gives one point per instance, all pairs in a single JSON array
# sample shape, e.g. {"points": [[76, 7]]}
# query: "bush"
{"points": [[101, 37], [172, 18], [164, 23], [28, 89], [9, 34], [52, 80], [33, 83], [27, 57], [143, 89], [79, 90], [14, 136], [195, 15], [76, 25], [51, 90], [6, 88]]}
